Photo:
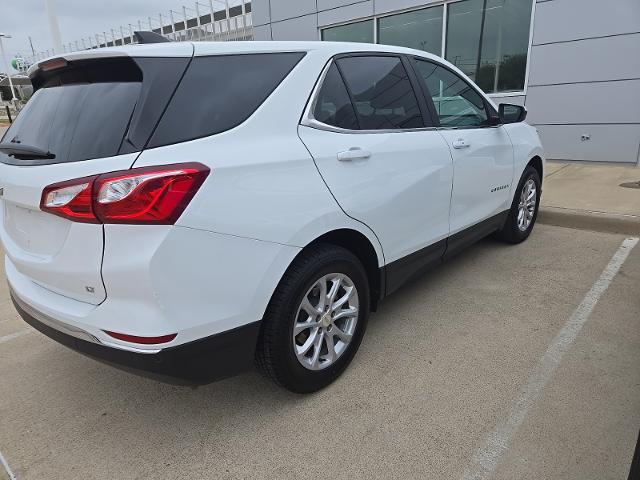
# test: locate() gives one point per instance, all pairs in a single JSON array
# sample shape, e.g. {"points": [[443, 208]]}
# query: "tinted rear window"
{"points": [[76, 122], [94, 108], [220, 92]]}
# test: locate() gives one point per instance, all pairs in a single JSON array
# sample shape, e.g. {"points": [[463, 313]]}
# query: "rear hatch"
{"points": [[87, 116]]}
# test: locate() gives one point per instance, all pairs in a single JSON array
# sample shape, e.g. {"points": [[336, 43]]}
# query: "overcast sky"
{"points": [[77, 19]]}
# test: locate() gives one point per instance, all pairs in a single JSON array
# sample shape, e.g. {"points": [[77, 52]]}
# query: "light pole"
{"points": [[6, 66], [53, 24]]}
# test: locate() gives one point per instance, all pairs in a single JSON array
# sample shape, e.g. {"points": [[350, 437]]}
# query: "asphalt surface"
{"points": [[444, 365]]}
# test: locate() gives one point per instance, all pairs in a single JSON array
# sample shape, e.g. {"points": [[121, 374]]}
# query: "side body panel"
{"points": [[402, 191], [526, 145], [483, 173]]}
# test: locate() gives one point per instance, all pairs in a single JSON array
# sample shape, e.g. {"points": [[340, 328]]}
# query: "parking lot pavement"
{"points": [[443, 365], [591, 196]]}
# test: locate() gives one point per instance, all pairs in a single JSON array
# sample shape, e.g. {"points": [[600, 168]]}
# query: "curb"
{"points": [[588, 220]]}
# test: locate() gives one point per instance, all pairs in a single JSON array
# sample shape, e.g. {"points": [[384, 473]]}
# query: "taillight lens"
{"points": [[148, 195], [72, 199], [156, 195]]}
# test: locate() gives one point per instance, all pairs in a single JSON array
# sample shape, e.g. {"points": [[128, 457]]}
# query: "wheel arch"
{"points": [[536, 162], [359, 245]]}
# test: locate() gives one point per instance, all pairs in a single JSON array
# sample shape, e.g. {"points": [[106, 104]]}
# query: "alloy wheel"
{"points": [[325, 321], [527, 204]]}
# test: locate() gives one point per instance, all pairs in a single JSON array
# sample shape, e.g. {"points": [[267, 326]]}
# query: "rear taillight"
{"points": [[148, 195], [72, 199], [156, 195]]}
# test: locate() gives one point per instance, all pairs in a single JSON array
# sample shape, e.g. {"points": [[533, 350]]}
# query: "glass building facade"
{"points": [[487, 39]]}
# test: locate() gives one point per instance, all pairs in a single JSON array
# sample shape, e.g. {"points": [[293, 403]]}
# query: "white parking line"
{"points": [[6, 467], [487, 458], [11, 336]]}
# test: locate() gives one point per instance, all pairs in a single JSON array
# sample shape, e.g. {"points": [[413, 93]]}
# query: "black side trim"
{"points": [[198, 362], [161, 79], [406, 268], [469, 236], [429, 115], [399, 272]]}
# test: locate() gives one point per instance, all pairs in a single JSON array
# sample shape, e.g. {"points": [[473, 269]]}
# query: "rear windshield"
{"points": [[76, 122], [220, 92], [93, 109]]}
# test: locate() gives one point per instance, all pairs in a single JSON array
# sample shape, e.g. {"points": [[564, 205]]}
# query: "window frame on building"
{"points": [[444, 4], [351, 23]]}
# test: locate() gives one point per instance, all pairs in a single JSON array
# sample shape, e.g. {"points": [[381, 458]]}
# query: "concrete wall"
{"points": [[584, 67], [584, 79]]}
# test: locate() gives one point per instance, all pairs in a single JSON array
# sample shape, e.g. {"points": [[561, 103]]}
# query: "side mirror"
{"points": [[509, 113]]}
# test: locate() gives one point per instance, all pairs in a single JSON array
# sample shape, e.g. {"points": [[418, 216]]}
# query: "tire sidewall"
{"points": [[520, 235], [303, 379]]}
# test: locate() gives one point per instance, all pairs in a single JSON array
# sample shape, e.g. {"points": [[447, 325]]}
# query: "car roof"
{"points": [[331, 48], [187, 49]]}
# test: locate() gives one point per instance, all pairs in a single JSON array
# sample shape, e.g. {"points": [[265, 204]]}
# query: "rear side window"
{"points": [[220, 92], [333, 106], [382, 92]]}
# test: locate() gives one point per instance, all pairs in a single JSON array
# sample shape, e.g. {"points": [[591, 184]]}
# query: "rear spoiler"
{"points": [[147, 49], [62, 61]]}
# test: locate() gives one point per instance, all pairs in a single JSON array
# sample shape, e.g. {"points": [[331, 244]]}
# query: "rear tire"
{"points": [[524, 208], [296, 305]]}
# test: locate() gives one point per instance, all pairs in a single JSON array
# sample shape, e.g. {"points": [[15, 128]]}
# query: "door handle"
{"points": [[461, 143], [354, 153]]}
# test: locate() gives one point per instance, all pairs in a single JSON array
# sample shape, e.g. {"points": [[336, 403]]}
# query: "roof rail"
{"points": [[150, 37]]}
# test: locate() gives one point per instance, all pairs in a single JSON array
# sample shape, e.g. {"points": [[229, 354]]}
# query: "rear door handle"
{"points": [[353, 153], [461, 143]]}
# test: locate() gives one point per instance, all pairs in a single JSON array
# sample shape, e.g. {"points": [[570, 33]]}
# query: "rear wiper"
{"points": [[24, 152]]}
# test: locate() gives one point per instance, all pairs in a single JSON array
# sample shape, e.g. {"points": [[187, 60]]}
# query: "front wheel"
{"points": [[524, 208], [315, 321]]}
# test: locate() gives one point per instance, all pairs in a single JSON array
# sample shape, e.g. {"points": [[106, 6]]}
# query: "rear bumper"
{"points": [[198, 362]]}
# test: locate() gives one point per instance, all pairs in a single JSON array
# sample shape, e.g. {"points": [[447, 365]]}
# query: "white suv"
{"points": [[185, 209]]}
